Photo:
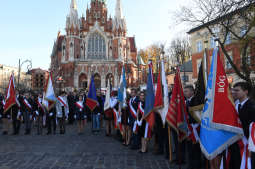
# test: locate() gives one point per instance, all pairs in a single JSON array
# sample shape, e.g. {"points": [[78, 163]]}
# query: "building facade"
{"points": [[39, 77], [5, 74], [203, 42], [95, 44]]}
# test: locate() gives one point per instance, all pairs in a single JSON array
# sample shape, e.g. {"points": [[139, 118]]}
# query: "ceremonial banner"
{"points": [[91, 100], [164, 109], [107, 103], [197, 102], [10, 95], [49, 94], [149, 99], [220, 126], [122, 90], [159, 103], [177, 113]]}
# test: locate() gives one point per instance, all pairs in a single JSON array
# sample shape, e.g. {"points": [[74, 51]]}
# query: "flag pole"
{"points": [[170, 144], [207, 74]]}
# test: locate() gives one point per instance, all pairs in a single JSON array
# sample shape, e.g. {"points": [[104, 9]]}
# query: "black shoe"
{"points": [[48, 133], [5, 133], [54, 132]]}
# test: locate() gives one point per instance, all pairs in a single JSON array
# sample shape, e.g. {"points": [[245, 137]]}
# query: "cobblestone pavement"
{"points": [[73, 151]]}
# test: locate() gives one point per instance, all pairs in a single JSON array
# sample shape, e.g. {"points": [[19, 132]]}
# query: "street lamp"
{"points": [[60, 80], [29, 67]]}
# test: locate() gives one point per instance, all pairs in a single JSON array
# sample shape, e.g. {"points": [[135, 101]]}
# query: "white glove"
{"points": [[0, 115], [8, 116], [98, 114], [19, 113], [30, 117], [51, 114], [85, 116], [37, 113], [75, 116]]}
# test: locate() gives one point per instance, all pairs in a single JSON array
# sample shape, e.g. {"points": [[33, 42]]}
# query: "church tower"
{"points": [[119, 22], [72, 20]]}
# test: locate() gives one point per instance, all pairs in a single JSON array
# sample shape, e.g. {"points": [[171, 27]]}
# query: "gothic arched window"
{"points": [[96, 46]]}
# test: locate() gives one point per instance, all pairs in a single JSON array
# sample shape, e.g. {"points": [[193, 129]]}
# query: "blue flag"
{"points": [[214, 139], [150, 98], [122, 90], [91, 100]]}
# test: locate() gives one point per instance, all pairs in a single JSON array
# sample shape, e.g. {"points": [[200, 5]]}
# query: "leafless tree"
{"points": [[235, 19], [180, 50]]}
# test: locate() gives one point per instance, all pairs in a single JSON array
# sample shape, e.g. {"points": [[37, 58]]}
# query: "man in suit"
{"points": [[133, 107], [194, 152], [246, 109], [27, 111], [62, 111]]}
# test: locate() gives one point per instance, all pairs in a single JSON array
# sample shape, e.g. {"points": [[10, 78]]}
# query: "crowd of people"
{"points": [[133, 130]]}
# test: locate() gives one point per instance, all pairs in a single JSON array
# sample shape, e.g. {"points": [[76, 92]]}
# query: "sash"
{"points": [[62, 101], [27, 104], [79, 105], [141, 108], [147, 132], [132, 110], [3, 102], [40, 105], [17, 102], [252, 137], [246, 160]]}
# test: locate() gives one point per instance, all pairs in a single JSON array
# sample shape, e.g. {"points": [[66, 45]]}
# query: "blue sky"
{"points": [[28, 28]]}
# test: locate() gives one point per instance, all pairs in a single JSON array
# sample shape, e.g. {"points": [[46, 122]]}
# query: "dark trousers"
{"points": [[27, 120], [252, 160], [194, 155], [71, 116], [62, 125], [166, 141], [235, 156], [15, 123], [51, 122], [136, 141], [179, 147], [39, 124]]}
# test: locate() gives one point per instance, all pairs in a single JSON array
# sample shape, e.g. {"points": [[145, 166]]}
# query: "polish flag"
{"points": [[10, 95]]}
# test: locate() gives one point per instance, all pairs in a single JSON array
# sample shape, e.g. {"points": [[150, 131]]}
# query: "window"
{"points": [[212, 42], [96, 46], [199, 46], [216, 31], [243, 30], [248, 60], [228, 39], [185, 78], [228, 65]]}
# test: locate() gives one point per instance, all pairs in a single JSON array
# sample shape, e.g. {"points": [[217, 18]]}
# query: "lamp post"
{"points": [[28, 67], [59, 80]]}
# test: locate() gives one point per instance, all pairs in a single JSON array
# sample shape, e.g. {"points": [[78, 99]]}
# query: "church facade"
{"points": [[95, 44]]}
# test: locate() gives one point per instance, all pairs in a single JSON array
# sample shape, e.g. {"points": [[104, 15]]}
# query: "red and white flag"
{"points": [[252, 137], [177, 113], [10, 95]]}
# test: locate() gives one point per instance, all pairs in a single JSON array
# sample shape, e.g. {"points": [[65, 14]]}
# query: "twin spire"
{"points": [[119, 20], [118, 7], [74, 5]]}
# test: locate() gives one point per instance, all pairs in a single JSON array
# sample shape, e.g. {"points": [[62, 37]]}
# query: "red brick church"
{"points": [[94, 44]]}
